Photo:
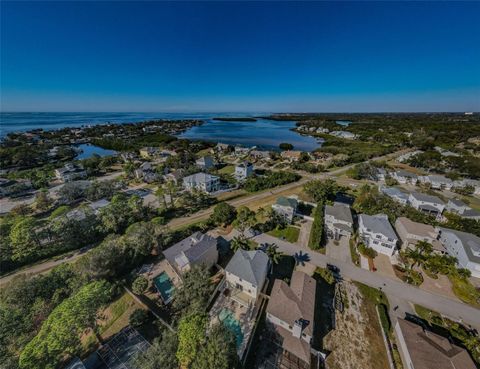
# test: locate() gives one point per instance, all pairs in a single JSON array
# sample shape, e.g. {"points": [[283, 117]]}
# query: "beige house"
{"points": [[421, 349], [290, 311], [411, 232], [291, 155]]}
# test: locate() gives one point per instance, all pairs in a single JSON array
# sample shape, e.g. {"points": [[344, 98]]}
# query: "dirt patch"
{"points": [[356, 342]]}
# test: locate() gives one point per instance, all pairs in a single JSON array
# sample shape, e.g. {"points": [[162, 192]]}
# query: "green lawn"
{"points": [[289, 233], [228, 169]]}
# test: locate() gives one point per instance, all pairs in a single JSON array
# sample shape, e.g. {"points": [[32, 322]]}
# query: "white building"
{"points": [[428, 204], [246, 274], [437, 182], [464, 246], [338, 220], [344, 134], [395, 194], [70, 172], [286, 206], [205, 162], [377, 232], [202, 181], [243, 170], [404, 177]]}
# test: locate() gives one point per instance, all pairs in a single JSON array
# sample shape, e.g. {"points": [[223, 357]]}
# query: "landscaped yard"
{"points": [[227, 169], [289, 233]]}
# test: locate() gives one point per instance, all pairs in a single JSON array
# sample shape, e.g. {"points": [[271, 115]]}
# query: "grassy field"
{"points": [[465, 291], [289, 233], [228, 169]]}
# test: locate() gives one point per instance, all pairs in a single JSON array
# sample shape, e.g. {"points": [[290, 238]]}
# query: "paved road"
{"points": [[402, 291]]}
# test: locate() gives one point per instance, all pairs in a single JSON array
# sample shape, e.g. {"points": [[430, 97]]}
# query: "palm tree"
{"points": [[273, 253], [161, 195], [424, 248], [415, 256], [238, 243]]}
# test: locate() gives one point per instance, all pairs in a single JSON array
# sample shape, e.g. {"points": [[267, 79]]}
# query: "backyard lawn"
{"points": [[289, 233], [228, 169]]}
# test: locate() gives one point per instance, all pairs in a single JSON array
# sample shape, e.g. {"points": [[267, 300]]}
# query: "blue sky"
{"points": [[249, 56]]}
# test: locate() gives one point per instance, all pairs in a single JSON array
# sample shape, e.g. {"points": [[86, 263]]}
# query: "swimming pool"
{"points": [[164, 287], [232, 324]]}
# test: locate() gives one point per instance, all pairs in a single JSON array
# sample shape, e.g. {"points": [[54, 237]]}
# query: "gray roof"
{"points": [[249, 265], [470, 243], [439, 178], [193, 247], [200, 178], [394, 192], [457, 202], [287, 201], [470, 213], [339, 212], [378, 224], [404, 173], [427, 198]]}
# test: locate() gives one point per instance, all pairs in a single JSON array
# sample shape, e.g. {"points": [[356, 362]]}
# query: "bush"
{"points": [[367, 251], [138, 318], [140, 285], [270, 180], [384, 318], [285, 146], [316, 233]]}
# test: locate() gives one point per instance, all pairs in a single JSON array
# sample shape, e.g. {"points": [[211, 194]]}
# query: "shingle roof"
{"points": [[339, 212], [470, 243], [428, 350], [190, 248], [249, 265], [427, 198], [457, 202], [378, 224]]}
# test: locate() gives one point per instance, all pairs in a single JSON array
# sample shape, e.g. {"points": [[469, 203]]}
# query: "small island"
{"points": [[235, 119]]}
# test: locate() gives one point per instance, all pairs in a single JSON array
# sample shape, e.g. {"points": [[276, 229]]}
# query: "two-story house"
{"points": [[411, 233], [286, 207], [459, 207], [464, 246], [290, 313], [437, 182], [70, 172], [338, 220], [395, 194], [376, 232], [404, 177], [202, 181], [245, 275], [427, 203], [243, 170], [197, 249]]}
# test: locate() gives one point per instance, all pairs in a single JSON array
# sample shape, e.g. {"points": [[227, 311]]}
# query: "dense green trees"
{"points": [[191, 337], [60, 333], [161, 354], [121, 212], [269, 180], [223, 214], [140, 285], [285, 146], [244, 220]]}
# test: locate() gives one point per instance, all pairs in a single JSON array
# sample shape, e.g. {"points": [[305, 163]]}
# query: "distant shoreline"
{"points": [[233, 119]]}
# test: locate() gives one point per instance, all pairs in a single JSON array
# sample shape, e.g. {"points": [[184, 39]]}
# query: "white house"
{"points": [[464, 246], [286, 206], [459, 207], [437, 182], [376, 232], [197, 249], [202, 181], [404, 177], [427, 203], [338, 220], [395, 194], [243, 170], [241, 151], [205, 162], [291, 311], [466, 182], [245, 275], [70, 172]]}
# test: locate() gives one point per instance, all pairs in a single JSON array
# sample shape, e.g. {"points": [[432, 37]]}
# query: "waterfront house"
{"points": [[243, 170], [429, 204], [245, 275], [259, 155], [286, 207], [395, 194], [405, 177], [291, 155], [464, 246], [338, 220], [377, 232], [202, 181], [197, 249], [205, 162], [422, 349], [290, 313], [71, 172], [241, 151], [411, 233]]}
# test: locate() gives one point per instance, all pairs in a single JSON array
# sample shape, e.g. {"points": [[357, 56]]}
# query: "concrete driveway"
{"points": [[340, 249]]}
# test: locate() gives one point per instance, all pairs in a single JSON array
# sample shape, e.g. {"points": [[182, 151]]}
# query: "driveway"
{"points": [[402, 291], [304, 235], [339, 250]]}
